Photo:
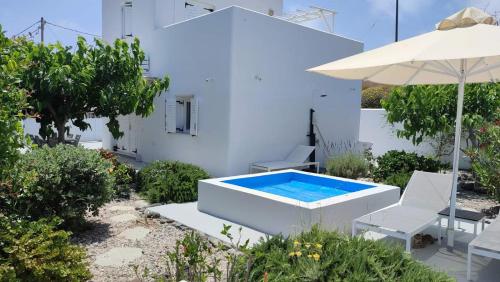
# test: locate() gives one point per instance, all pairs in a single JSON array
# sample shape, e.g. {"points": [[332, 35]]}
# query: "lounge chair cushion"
{"points": [[279, 165], [489, 239], [400, 218], [300, 154]]}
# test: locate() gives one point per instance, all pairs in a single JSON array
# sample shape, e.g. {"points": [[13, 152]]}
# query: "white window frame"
{"points": [[172, 105]]}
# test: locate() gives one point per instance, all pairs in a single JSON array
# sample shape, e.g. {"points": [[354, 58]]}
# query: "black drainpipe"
{"points": [[312, 136]]}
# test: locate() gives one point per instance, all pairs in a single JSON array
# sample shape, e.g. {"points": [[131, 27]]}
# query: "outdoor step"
{"points": [[118, 256]]}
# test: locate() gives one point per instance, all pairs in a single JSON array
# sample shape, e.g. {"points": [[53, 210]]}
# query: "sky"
{"points": [[369, 21]]}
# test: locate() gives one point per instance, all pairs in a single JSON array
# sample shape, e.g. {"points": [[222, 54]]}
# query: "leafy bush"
{"points": [[486, 158], [168, 181], [319, 255], [394, 162], [124, 174], [349, 165], [400, 180], [316, 255], [64, 181], [371, 97], [37, 251]]}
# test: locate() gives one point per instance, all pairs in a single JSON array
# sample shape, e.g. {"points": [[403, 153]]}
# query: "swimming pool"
{"points": [[299, 186], [290, 201]]}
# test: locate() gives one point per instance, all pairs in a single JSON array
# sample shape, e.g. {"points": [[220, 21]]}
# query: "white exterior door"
{"points": [[128, 142]]}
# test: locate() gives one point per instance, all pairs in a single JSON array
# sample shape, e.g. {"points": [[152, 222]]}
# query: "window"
{"points": [[182, 115], [127, 19]]}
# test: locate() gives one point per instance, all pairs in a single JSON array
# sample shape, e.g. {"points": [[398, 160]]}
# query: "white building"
{"points": [[239, 91]]}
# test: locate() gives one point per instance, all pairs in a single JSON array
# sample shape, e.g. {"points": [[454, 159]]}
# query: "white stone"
{"points": [[118, 256], [123, 217], [136, 233], [121, 208]]}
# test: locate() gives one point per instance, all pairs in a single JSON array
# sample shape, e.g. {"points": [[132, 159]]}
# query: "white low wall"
{"points": [[374, 128], [94, 133]]}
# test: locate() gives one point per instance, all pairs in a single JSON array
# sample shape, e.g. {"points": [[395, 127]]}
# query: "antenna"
{"points": [[314, 13]]}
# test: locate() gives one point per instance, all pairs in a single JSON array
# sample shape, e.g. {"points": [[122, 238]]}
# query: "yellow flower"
{"points": [[291, 254], [309, 256], [299, 253], [318, 246], [308, 245], [296, 243], [316, 257]]}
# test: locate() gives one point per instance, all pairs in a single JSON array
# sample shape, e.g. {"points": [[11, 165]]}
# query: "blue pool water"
{"points": [[298, 186]]}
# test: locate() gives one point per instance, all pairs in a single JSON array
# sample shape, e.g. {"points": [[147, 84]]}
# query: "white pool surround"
{"points": [[274, 214]]}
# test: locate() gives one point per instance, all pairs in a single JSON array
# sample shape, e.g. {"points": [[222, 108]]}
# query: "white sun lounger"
{"points": [[424, 197], [296, 159], [486, 244]]}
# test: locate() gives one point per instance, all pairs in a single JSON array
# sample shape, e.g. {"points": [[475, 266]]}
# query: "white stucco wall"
{"points": [[271, 93], [248, 72], [195, 54], [374, 128], [172, 11], [94, 133]]}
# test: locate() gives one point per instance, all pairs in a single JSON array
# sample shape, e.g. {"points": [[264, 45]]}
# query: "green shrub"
{"points": [[64, 181], [124, 174], [486, 159], [37, 251], [329, 256], [348, 165], [394, 162], [371, 97], [399, 179], [168, 181]]}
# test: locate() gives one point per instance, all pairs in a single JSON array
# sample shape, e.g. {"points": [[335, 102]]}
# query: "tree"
{"points": [[12, 103], [430, 110], [104, 79]]}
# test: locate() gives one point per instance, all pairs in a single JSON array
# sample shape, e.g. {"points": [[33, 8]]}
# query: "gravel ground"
{"points": [[103, 236]]}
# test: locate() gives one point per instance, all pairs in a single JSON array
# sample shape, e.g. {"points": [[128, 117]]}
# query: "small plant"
{"points": [[394, 162], [37, 251], [193, 260], [349, 165], [124, 174], [64, 181], [399, 179], [167, 182]]}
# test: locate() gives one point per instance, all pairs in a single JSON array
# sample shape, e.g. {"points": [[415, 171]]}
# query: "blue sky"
{"points": [[369, 21]]}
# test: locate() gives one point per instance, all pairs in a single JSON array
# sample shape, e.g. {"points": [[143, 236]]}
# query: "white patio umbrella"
{"points": [[464, 47]]}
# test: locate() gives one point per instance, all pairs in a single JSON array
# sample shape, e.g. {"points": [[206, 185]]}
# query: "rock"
{"points": [[121, 208], [136, 233], [118, 256], [152, 214], [123, 217]]}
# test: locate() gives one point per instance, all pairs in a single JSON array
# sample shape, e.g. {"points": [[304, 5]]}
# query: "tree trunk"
{"points": [[61, 131]]}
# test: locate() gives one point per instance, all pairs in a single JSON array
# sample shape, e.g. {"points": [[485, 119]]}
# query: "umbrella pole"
{"points": [[456, 155]]}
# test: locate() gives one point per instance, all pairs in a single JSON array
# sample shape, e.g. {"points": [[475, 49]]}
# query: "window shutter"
{"points": [[170, 114], [193, 128]]}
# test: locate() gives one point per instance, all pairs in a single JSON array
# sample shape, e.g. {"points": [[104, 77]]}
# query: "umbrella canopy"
{"points": [[465, 47], [430, 58]]}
